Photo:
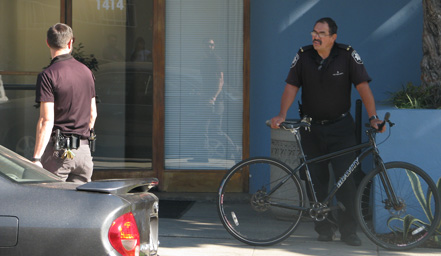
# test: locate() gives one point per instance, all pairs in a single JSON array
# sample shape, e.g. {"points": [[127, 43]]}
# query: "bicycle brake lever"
{"points": [[307, 120], [386, 120]]}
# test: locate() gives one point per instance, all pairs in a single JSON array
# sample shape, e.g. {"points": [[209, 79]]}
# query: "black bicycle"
{"points": [[397, 203]]}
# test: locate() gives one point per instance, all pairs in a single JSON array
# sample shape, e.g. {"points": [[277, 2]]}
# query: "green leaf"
{"points": [[438, 186], [394, 230], [418, 191], [408, 220]]}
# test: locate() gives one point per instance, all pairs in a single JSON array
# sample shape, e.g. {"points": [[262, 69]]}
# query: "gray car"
{"points": [[41, 215]]}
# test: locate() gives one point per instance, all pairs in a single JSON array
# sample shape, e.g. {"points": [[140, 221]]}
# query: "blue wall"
{"points": [[415, 138], [386, 34]]}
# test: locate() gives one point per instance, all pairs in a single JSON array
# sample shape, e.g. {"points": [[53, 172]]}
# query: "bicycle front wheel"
{"points": [[270, 211], [411, 220]]}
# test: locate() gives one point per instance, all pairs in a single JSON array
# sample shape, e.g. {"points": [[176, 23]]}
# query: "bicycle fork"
{"points": [[389, 190]]}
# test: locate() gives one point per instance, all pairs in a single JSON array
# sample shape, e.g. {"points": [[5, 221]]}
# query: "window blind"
{"points": [[203, 84]]}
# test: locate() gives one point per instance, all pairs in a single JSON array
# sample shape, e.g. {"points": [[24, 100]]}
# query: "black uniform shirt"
{"points": [[211, 69], [71, 86], [326, 84]]}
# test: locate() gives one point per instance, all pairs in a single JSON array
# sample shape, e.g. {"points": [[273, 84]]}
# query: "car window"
{"points": [[18, 169]]}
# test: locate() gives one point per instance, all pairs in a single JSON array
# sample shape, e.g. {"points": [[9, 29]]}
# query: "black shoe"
{"points": [[325, 237], [351, 239]]}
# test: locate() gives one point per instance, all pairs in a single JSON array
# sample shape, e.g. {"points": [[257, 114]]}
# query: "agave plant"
{"points": [[425, 201]]}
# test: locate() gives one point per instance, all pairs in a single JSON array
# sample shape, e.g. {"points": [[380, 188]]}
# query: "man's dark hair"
{"points": [[331, 23], [59, 35]]}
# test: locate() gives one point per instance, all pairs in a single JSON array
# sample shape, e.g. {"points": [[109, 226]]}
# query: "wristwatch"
{"points": [[36, 159], [373, 117]]}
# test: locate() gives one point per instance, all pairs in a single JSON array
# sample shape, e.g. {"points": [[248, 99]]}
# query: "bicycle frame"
{"points": [[369, 147], [396, 204]]}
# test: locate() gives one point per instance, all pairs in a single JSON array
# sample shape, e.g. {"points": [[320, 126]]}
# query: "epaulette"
{"points": [[306, 48], [344, 46]]}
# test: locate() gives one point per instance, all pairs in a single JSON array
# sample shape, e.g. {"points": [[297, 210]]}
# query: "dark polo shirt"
{"points": [[326, 84], [70, 85]]}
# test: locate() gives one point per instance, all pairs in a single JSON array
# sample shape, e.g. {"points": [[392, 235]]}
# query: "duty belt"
{"points": [[326, 122], [67, 141]]}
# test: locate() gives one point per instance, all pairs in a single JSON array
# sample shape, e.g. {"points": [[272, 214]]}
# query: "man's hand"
{"points": [[375, 122], [275, 122]]}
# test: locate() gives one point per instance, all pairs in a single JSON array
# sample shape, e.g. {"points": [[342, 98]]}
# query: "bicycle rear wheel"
{"points": [[412, 221], [261, 216]]}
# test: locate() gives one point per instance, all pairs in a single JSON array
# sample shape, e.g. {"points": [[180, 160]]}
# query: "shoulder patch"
{"points": [[294, 61], [306, 48], [356, 57]]}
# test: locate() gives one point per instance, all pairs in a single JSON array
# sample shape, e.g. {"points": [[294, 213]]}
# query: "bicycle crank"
{"points": [[319, 211]]}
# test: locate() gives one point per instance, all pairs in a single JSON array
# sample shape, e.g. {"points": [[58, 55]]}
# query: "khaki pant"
{"points": [[78, 169]]}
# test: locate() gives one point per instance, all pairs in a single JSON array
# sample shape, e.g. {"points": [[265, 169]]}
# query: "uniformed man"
{"points": [[326, 71], [66, 93]]}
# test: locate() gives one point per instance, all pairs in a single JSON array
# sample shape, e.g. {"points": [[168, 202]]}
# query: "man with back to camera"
{"points": [[66, 93], [326, 71]]}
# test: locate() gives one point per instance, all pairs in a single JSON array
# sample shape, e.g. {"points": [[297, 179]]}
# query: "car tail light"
{"points": [[124, 235]]}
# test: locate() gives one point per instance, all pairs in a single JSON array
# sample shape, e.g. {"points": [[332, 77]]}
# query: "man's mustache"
{"points": [[317, 40]]}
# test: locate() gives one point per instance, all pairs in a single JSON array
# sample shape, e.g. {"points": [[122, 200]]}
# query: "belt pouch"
{"points": [[74, 142]]}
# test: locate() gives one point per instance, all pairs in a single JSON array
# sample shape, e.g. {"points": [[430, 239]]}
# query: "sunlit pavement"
{"points": [[199, 232]]}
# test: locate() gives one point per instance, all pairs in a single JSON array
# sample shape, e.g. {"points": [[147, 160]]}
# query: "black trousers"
{"points": [[323, 139]]}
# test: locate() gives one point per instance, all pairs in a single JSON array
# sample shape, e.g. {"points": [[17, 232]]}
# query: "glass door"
{"points": [[23, 54], [117, 35]]}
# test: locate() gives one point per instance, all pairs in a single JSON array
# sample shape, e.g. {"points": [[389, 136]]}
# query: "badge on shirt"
{"points": [[357, 57], [294, 61]]}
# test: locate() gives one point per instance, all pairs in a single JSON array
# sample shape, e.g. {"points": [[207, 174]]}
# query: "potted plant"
{"points": [[89, 60]]}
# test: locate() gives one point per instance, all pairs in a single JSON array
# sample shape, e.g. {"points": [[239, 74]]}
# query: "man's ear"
{"points": [[70, 44]]}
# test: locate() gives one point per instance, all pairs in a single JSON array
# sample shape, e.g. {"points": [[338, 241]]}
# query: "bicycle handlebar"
{"points": [[306, 122], [380, 126], [386, 119], [292, 124]]}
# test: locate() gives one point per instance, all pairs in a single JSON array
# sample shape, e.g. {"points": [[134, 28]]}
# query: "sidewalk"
{"points": [[200, 233]]}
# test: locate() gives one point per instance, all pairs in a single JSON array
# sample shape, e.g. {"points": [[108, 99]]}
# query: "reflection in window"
{"points": [[119, 34], [203, 84], [23, 54]]}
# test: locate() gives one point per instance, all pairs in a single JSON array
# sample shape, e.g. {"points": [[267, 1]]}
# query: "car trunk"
{"points": [[133, 191]]}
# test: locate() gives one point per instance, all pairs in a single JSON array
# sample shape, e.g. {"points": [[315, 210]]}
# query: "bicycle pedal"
{"points": [[339, 206]]}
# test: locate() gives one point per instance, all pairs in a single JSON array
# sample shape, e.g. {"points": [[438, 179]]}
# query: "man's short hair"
{"points": [[59, 35], [331, 23]]}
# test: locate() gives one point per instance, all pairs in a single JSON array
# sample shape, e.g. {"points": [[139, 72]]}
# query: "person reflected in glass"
{"points": [[141, 53], [212, 77], [111, 52], [217, 144]]}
